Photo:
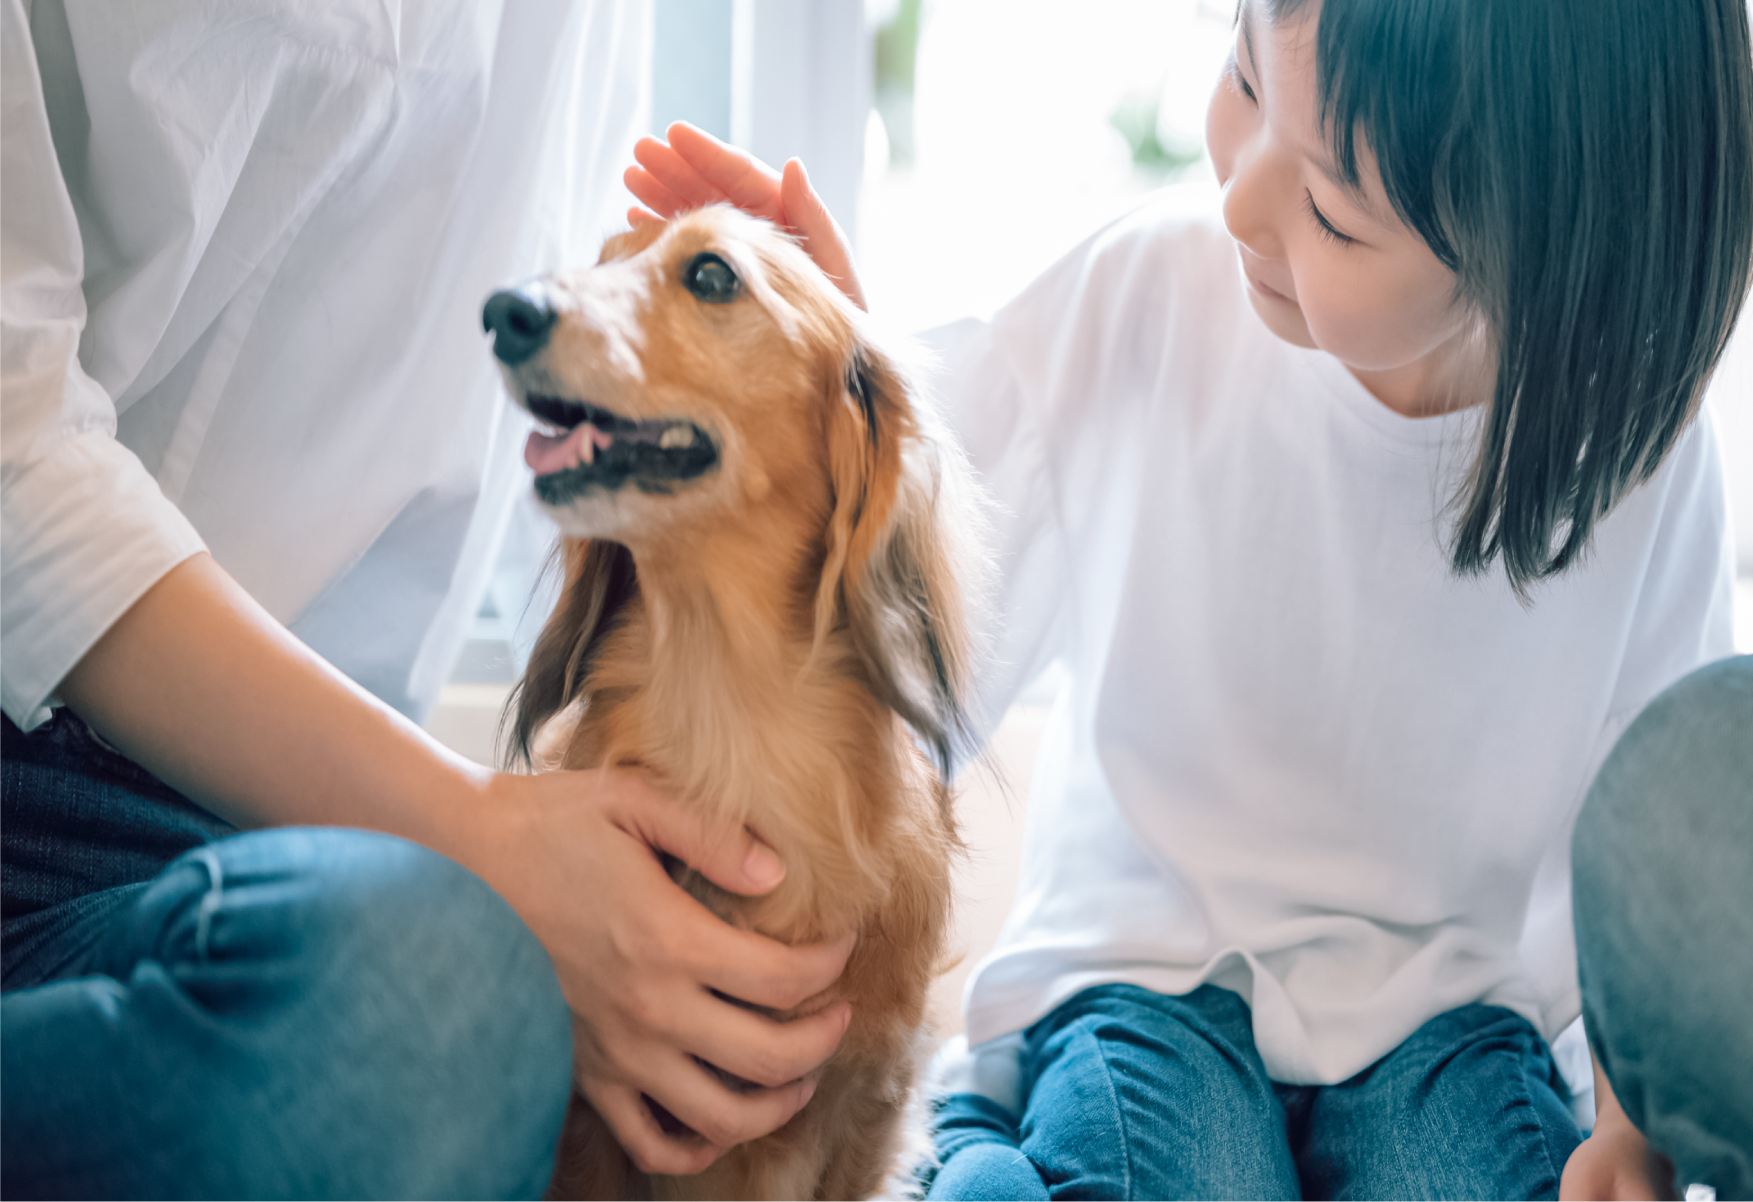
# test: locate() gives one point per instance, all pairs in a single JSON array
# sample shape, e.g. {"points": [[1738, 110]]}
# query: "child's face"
{"points": [[1326, 266]]}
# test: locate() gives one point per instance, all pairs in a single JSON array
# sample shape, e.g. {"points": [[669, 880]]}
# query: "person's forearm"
{"points": [[200, 685]]}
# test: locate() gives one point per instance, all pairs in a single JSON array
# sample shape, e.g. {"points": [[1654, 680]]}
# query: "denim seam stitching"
{"points": [[1527, 1100], [210, 901], [1119, 1116]]}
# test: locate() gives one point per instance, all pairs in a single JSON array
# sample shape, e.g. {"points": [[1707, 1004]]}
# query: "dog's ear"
{"points": [[900, 542], [599, 581]]}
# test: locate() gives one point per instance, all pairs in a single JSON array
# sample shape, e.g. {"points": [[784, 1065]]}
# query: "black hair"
{"points": [[1585, 167]]}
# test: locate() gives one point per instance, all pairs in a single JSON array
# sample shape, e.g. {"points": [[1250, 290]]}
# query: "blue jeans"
{"points": [[1662, 877], [291, 1013], [1134, 1094]]}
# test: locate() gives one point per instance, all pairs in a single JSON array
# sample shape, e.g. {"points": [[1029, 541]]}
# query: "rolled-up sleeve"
{"points": [[84, 528]]}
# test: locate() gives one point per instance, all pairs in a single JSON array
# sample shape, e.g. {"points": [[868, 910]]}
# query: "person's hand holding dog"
{"points": [[646, 968], [695, 169]]}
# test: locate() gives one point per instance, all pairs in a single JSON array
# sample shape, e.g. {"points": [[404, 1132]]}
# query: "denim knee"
{"points": [[1663, 897], [1137, 1094], [1673, 799], [1470, 1105], [404, 1031]]}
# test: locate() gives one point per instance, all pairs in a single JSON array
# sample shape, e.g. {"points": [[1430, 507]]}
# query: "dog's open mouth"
{"points": [[580, 448]]}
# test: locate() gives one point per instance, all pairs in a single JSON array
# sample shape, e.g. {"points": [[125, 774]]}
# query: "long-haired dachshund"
{"points": [[767, 552]]}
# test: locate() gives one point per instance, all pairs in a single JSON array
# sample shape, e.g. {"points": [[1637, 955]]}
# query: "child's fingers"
{"points": [[675, 173], [696, 168], [807, 214], [810, 219], [637, 216], [745, 181], [653, 194]]}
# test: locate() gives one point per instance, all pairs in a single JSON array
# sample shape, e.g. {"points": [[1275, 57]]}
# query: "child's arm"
{"points": [[1616, 1161], [697, 169]]}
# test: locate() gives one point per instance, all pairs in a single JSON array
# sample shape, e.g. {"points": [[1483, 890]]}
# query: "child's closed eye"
{"points": [[1328, 230], [1240, 82]]}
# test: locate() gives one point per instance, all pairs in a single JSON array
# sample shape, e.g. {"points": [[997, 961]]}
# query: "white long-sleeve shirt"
{"points": [[245, 250], [1298, 757]]}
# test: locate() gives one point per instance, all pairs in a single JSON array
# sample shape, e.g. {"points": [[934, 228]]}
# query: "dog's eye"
{"points": [[710, 279]]}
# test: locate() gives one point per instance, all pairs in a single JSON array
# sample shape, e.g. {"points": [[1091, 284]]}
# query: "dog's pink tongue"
{"points": [[549, 453]]}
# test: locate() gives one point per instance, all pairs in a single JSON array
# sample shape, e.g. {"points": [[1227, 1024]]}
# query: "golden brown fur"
{"points": [[769, 639]]}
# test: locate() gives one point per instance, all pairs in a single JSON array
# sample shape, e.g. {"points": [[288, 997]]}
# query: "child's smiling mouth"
{"points": [[1255, 277], [1263, 289]]}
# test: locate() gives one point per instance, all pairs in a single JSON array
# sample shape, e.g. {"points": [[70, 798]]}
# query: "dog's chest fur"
{"points": [[831, 780]]}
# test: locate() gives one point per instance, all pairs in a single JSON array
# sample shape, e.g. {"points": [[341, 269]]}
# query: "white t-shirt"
{"points": [[245, 251], [1298, 757]]}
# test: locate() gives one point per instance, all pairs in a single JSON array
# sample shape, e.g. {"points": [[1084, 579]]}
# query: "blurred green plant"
{"points": [[1136, 118], [897, 53]]}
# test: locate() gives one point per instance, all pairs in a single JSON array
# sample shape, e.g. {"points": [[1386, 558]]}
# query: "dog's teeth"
{"points": [[676, 436]]}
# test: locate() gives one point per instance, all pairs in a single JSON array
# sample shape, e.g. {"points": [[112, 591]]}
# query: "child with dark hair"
{"points": [[1361, 558]]}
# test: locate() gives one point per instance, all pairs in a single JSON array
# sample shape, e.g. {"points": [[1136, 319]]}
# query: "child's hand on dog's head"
{"points": [[695, 169], [646, 968]]}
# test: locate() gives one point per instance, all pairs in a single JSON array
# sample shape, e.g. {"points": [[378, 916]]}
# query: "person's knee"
{"points": [[1672, 799], [471, 1024], [1149, 1095], [1663, 852], [449, 944], [412, 1017], [1441, 1065], [1203, 1039], [381, 901], [1478, 1083], [1662, 860]]}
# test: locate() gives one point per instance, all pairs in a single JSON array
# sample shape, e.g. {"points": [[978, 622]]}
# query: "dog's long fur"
{"points": [[777, 640]]}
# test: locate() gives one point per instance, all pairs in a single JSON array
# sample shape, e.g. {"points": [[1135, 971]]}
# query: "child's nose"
{"points": [[1252, 200]]}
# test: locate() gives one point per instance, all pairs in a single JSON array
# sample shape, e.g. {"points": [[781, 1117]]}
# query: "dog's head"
{"points": [[705, 383]]}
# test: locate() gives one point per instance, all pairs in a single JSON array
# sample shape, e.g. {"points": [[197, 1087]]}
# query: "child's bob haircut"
{"points": [[1585, 167]]}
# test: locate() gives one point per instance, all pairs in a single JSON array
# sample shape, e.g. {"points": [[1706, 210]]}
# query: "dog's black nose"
{"points": [[519, 320]]}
